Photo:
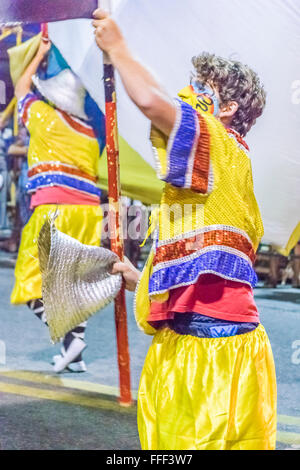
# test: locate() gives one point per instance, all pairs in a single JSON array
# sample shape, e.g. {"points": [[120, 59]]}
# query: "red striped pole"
{"points": [[115, 222]]}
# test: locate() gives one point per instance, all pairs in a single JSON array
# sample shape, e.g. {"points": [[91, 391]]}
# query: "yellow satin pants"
{"points": [[208, 393], [80, 222]]}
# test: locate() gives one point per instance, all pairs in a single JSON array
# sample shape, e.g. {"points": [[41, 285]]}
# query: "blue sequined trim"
{"points": [[48, 180], [23, 102], [182, 146], [222, 263]]}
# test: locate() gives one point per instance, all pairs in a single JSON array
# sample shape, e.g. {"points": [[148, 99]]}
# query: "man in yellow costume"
{"points": [[63, 161], [208, 381]]}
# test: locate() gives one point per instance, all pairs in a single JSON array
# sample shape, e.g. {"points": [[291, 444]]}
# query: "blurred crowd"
{"points": [[274, 269], [14, 200]]}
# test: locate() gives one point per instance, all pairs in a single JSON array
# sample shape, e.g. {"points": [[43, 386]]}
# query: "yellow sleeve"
{"points": [[142, 302], [184, 159], [31, 109]]}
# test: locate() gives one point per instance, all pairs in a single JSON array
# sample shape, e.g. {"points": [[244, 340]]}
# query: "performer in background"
{"points": [[6, 137], [63, 156], [208, 381]]}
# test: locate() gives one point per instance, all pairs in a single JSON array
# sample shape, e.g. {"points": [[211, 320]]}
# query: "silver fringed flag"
{"points": [[76, 279]]}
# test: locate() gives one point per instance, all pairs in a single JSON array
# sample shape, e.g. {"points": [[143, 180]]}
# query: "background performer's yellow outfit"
{"points": [[62, 158]]}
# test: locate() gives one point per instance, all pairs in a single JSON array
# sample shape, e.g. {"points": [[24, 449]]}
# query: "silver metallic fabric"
{"points": [[76, 279]]}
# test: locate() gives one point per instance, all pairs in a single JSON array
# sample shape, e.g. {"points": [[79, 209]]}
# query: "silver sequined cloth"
{"points": [[76, 279]]}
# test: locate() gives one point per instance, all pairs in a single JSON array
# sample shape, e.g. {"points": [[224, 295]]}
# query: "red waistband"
{"points": [[58, 195]]}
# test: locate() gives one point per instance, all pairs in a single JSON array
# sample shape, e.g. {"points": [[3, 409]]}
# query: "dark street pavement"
{"points": [[40, 410]]}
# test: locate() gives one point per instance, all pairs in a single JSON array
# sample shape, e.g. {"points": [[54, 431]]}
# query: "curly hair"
{"points": [[235, 82]]}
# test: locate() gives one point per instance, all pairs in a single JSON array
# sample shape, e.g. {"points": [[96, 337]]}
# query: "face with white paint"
{"points": [[209, 101]]}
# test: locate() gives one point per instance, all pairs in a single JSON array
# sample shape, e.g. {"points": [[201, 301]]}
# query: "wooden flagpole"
{"points": [[115, 220]]}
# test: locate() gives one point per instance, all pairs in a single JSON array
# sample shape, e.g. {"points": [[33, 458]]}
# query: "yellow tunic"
{"points": [[209, 220]]}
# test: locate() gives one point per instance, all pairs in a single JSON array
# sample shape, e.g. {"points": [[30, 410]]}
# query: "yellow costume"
{"points": [[204, 393], [208, 393], [64, 154]]}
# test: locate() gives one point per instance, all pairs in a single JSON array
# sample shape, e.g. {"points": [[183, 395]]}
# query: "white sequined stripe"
{"points": [[209, 228], [210, 185], [157, 163], [191, 158], [61, 173], [54, 163]]}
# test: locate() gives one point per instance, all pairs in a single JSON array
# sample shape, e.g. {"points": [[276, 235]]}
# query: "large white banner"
{"points": [[165, 34]]}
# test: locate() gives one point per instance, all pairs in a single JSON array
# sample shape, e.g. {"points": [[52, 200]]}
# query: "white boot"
{"points": [[62, 362], [79, 366]]}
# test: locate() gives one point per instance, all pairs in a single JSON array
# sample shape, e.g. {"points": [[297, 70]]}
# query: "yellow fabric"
{"points": [[138, 179], [208, 394], [21, 56], [294, 239], [153, 221], [80, 222], [6, 114], [142, 301], [232, 201], [52, 140]]}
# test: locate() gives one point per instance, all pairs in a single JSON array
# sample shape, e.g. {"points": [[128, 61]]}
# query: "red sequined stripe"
{"points": [[27, 105], [44, 167], [201, 163], [77, 126], [188, 246], [238, 138]]}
